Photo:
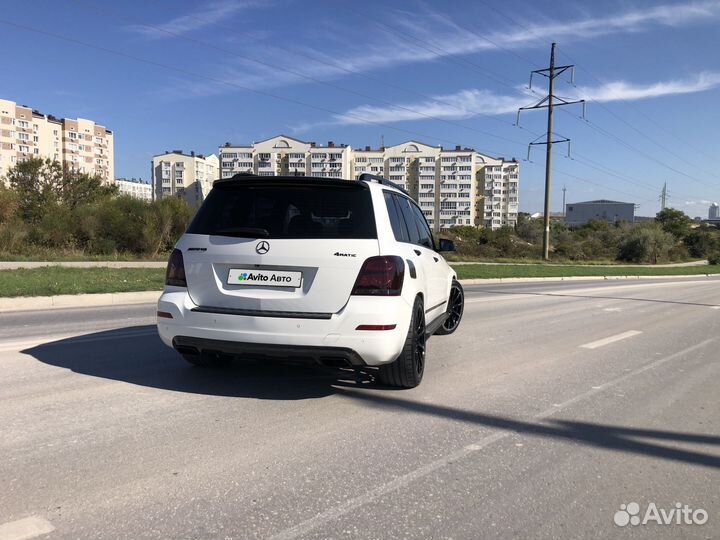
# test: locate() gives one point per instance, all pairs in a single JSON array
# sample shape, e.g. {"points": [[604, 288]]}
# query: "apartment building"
{"points": [[283, 155], [134, 187], [450, 185], [188, 176], [501, 179], [78, 143], [453, 187]]}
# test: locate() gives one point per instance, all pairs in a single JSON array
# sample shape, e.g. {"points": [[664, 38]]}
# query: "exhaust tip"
{"points": [[335, 362]]}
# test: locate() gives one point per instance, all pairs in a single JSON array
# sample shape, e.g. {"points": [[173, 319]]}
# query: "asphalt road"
{"points": [[553, 405]]}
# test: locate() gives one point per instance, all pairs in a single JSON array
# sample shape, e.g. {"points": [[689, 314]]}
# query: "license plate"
{"points": [[267, 278]]}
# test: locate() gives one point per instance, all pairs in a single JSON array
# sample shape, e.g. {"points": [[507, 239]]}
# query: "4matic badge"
{"points": [[338, 254]]}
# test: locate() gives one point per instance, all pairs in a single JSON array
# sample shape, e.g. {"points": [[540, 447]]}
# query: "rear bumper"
{"points": [[303, 339], [325, 356]]}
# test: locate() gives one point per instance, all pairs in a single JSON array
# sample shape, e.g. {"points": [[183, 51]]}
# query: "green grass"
{"points": [[72, 256], [52, 280], [475, 271]]}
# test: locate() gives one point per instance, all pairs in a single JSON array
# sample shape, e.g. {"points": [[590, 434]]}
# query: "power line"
{"points": [[221, 81], [585, 70], [293, 72], [641, 113], [365, 75], [433, 49]]}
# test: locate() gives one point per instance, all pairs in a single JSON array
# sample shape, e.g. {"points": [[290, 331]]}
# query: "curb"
{"points": [[481, 281], [31, 303]]}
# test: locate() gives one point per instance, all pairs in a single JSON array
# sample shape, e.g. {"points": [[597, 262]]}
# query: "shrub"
{"points": [[646, 242]]}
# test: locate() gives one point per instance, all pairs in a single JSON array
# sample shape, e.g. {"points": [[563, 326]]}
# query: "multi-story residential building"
{"points": [[501, 180], [283, 155], [79, 144], [134, 187], [453, 187], [189, 176]]}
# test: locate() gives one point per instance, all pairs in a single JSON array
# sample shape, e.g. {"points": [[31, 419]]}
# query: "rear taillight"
{"points": [[175, 274], [380, 276]]}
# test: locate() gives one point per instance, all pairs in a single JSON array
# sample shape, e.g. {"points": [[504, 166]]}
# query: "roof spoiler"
{"points": [[367, 177]]}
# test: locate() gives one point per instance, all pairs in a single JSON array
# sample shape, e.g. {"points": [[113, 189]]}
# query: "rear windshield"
{"points": [[287, 211]]}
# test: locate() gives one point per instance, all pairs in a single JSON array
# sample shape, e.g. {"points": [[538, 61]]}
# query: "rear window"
{"points": [[287, 211]]}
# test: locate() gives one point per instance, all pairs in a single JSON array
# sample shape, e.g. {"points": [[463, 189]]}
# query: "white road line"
{"points": [[348, 506], [22, 529], [611, 339]]}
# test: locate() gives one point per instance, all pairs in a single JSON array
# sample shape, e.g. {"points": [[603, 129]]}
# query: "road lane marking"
{"points": [[304, 527], [611, 339], [614, 382], [22, 529]]}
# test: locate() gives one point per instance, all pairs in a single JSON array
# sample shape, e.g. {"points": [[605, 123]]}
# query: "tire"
{"points": [[408, 369], [455, 308]]}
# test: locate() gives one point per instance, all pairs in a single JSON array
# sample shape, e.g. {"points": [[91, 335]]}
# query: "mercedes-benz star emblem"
{"points": [[262, 247]]}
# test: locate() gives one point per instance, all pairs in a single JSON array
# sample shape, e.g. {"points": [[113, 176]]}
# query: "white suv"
{"points": [[337, 272]]}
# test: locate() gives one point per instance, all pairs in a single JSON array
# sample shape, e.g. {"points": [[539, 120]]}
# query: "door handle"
{"points": [[417, 251]]}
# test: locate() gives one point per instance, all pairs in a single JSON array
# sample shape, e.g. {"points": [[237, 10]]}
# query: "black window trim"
{"points": [[402, 220], [390, 196]]}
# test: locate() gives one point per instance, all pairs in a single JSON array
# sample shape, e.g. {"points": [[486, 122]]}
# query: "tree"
{"points": [[647, 242], [675, 222], [701, 242], [35, 181], [81, 188], [9, 204], [41, 183]]}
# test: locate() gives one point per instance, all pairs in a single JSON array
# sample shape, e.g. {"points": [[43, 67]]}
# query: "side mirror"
{"points": [[446, 245]]}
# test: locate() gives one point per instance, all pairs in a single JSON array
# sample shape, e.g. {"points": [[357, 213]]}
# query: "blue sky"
{"points": [[195, 74]]}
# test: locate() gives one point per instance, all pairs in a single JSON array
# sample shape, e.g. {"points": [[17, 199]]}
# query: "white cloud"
{"points": [[462, 104], [209, 14], [473, 102], [621, 90], [701, 202]]}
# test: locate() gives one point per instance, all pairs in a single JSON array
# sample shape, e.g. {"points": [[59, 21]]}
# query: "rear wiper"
{"points": [[243, 232]]}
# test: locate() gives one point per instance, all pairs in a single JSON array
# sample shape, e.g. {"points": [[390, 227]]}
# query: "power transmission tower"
{"points": [[663, 197], [548, 102], [564, 191]]}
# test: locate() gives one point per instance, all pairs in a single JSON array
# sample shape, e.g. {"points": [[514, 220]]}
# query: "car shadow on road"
{"points": [[136, 355], [614, 438]]}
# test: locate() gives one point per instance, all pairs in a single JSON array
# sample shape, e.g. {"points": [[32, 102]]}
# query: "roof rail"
{"points": [[381, 180]]}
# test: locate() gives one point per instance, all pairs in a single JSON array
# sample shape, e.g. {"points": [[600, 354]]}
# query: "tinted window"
{"points": [[286, 211], [396, 221], [408, 217], [423, 229]]}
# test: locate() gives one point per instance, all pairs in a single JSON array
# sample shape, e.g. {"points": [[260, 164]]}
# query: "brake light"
{"points": [[380, 276], [175, 273]]}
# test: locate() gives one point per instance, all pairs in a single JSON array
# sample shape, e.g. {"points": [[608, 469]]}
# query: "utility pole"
{"points": [[564, 190], [548, 102], [663, 197]]}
